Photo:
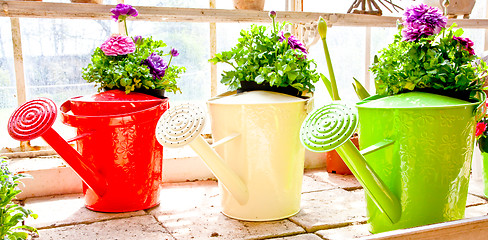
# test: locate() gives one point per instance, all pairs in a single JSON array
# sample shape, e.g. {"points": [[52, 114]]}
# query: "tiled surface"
{"points": [[141, 227], [333, 207], [349, 232], [67, 210]]}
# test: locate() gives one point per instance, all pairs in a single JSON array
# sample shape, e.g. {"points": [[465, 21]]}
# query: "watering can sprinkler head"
{"points": [[329, 128], [35, 119], [182, 125]]}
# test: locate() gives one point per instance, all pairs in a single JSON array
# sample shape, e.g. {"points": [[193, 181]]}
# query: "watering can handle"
{"points": [[480, 111]]}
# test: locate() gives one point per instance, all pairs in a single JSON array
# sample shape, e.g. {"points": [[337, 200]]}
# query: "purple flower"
{"points": [[156, 65], [118, 45], [138, 39], [174, 52], [422, 20], [272, 14], [414, 32], [466, 43], [123, 10], [294, 43]]}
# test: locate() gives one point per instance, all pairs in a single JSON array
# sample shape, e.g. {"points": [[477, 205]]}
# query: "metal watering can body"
{"points": [[428, 165], [258, 158], [118, 157], [415, 157], [267, 155]]}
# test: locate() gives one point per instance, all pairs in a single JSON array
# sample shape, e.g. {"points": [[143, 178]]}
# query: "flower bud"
{"points": [[138, 39], [446, 3], [272, 14], [322, 27], [287, 35]]}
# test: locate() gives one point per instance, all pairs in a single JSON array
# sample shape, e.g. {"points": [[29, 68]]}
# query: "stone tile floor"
{"points": [[333, 207]]}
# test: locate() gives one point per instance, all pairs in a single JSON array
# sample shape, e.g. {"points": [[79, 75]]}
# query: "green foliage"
{"points": [[12, 215], [259, 56], [436, 63], [127, 72]]}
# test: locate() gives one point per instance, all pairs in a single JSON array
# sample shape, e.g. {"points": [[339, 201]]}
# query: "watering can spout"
{"points": [[35, 119], [381, 195], [330, 127], [182, 125]]}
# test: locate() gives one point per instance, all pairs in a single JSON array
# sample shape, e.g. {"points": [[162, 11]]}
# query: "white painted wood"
{"points": [[469, 228], [18, 61], [213, 51], [367, 59]]}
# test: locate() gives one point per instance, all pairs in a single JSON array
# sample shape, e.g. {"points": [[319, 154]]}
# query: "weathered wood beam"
{"points": [[102, 12], [169, 14]]}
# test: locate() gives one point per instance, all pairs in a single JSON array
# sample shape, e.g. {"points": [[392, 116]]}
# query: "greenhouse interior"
{"points": [[243, 119]]}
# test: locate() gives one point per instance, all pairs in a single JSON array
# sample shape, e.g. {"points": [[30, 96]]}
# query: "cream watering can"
{"points": [[256, 156]]}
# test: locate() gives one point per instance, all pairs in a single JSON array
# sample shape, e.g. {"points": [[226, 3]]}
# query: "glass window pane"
{"points": [[8, 92], [192, 42], [55, 51]]}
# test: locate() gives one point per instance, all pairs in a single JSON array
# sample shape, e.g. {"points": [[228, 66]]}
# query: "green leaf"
{"points": [[458, 32], [292, 75], [328, 85], [361, 92], [259, 79]]}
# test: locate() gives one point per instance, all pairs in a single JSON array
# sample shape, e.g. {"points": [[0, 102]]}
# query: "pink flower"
{"points": [[480, 128], [118, 45], [466, 43]]}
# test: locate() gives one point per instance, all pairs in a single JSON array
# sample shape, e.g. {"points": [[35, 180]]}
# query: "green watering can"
{"points": [[416, 154]]}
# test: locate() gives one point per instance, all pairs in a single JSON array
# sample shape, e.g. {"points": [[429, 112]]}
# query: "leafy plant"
{"points": [[132, 63], [127, 72], [270, 56], [11, 214], [425, 56]]}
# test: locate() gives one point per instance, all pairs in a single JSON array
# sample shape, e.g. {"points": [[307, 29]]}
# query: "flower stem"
{"points": [[171, 58], [274, 25], [335, 92], [125, 25]]}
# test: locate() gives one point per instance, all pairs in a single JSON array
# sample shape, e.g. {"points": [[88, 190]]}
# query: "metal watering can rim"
{"points": [[292, 99], [480, 97]]}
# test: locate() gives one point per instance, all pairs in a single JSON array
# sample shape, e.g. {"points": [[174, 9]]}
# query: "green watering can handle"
{"points": [[330, 127], [480, 111]]}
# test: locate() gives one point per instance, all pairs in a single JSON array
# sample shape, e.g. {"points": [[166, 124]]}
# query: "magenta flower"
{"points": [[294, 43], [118, 45], [123, 10], [421, 21], [466, 43], [414, 32], [174, 52], [480, 128], [156, 65]]}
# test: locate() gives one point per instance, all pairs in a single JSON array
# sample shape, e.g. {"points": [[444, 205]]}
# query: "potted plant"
{"points": [[417, 133], [132, 63], [258, 128], [249, 4], [268, 58], [12, 215], [428, 88]]}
